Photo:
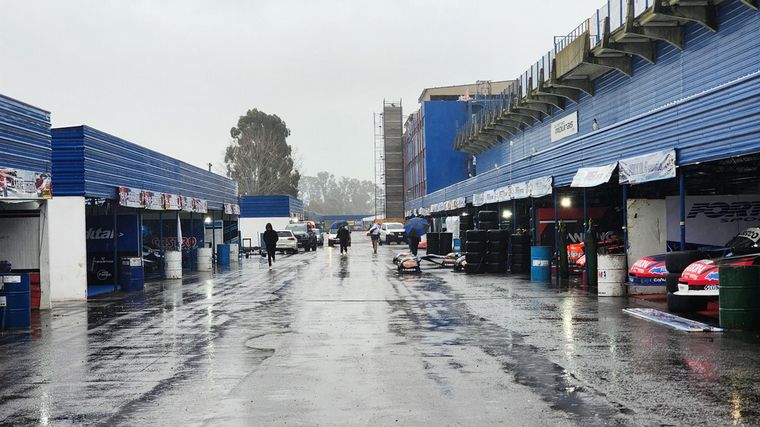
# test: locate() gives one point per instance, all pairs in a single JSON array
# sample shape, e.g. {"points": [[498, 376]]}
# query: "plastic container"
{"points": [[611, 275], [540, 263], [223, 254], [131, 274], [15, 301], [204, 259], [234, 252], [173, 264], [740, 297]]}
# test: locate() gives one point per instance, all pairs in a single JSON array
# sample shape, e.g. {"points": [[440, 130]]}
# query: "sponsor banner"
{"points": [[591, 177], [540, 187], [228, 208], [648, 167], [478, 199], [490, 196], [503, 194], [24, 184], [423, 211], [130, 197], [151, 200], [460, 203], [186, 203], [200, 205], [171, 202], [520, 190], [712, 220], [564, 127]]}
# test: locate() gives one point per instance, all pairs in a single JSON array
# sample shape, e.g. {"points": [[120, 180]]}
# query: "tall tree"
{"points": [[259, 158], [325, 194]]}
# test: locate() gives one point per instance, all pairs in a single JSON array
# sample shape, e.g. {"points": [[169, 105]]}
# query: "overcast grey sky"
{"points": [[175, 75]]}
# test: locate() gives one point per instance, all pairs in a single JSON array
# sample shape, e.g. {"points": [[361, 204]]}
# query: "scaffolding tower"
{"points": [[379, 166]]}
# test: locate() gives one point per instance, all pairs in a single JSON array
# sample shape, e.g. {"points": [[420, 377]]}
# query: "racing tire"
{"points": [[520, 238], [496, 235], [677, 261], [474, 257], [497, 257], [473, 268], [496, 246], [517, 268], [466, 222], [471, 246], [684, 304], [671, 282], [476, 236], [495, 267], [490, 216], [520, 248], [488, 225]]}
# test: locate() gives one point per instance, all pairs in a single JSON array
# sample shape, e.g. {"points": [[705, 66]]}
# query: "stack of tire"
{"points": [[486, 246], [466, 222], [676, 262], [520, 254]]}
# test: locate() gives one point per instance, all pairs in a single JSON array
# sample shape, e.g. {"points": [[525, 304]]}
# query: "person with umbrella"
{"points": [[415, 228], [344, 236], [374, 234]]}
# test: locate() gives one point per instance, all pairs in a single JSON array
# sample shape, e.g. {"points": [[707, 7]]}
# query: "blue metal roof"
{"points": [[91, 163], [702, 100], [270, 206], [24, 136]]}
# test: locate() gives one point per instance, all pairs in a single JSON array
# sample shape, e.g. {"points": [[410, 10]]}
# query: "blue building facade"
{"points": [[700, 98], [24, 136], [430, 161], [271, 206]]}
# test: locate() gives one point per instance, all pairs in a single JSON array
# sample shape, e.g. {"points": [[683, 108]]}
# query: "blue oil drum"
{"points": [[540, 263], [223, 254], [16, 292], [131, 274]]}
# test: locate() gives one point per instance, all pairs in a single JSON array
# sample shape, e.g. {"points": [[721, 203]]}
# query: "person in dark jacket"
{"points": [[270, 240], [344, 235], [414, 241]]}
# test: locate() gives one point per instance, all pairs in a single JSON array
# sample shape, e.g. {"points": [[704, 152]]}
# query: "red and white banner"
{"points": [[231, 209], [130, 197], [200, 205], [171, 202], [151, 201], [24, 184]]}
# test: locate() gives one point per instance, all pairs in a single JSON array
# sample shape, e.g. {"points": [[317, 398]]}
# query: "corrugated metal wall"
{"points": [[702, 100], [270, 206], [443, 165], [24, 136], [88, 162]]}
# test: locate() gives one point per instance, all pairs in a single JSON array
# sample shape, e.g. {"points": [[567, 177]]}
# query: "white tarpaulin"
{"points": [[520, 190], [591, 177], [478, 199], [648, 167], [490, 196], [540, 187], [460, 202], [503, 194]]}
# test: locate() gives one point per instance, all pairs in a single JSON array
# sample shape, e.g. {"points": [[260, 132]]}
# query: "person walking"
{"points": [[374, 234], [414, 241], [344, 235], [270, 240]]}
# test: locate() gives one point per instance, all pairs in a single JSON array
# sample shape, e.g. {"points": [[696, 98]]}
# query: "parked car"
{"points": [[391, 232], [320, 235], [287, 242], [306, 238]]}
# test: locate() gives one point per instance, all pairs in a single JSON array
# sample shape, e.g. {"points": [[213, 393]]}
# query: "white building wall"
{"points": [[65, 246]]}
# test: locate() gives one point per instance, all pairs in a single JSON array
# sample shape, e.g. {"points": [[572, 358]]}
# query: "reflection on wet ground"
{"points": [[330, 339]]}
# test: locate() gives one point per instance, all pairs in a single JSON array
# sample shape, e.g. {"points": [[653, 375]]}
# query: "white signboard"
{"points": [[478, 199], [565, 126], [490, 196], [713, 220], [540, 187], [460, 202], [648, 167], [520, 190], [503, 194], [591, 177]]}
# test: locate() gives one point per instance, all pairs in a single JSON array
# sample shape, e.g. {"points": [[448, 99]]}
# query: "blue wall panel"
{"points": [[444, 166], [24, 136], [270, 206], [88, 162], [702, 100]]}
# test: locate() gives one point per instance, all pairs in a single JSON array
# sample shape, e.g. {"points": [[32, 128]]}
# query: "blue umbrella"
{"points": [[339, 224], [418, 224]]}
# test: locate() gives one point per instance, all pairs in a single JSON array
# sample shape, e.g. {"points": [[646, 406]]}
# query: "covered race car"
{"points": [[576, 252], [649, 271]]}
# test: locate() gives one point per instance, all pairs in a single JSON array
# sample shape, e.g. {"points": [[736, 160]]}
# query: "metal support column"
{"points": [[193, 251], [514, 216], [114, 207], [625, 219], [533, 222], [585, 231], [213, 237], [162, 266], [682, 203], [555, 196]]}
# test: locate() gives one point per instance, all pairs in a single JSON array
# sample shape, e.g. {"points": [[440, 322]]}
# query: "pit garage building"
{"points": [[643, 117]]}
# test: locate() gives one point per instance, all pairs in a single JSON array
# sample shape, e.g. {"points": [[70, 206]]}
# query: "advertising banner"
{"points": [[712, 220], [100, 236], [648, 167], [591, 177], [200, 205], [540, 187], [231, 209], [186, 203], [24, 184], [520, 190], [130, 197], [460, 203], [151, 200], [478, 199], [564, 127], [490, 196], [503, 194], [171, 202]]}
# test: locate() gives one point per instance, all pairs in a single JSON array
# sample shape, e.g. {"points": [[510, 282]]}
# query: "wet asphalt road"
{"points": [[328, 340]]}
